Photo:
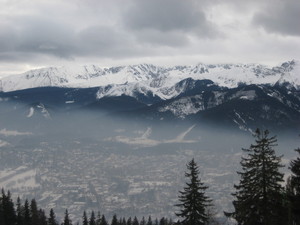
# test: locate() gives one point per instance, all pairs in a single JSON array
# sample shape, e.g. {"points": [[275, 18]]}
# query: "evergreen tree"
{"points": [[129, 221], [103, 220], [114, 220], [193, 199], [19, 212], [8, 210], [122, 221], [259, 195], [288, 201], [135, 221], [67, 220], [42, 217], [52, 218], [149, 222], [27, 216], [92, 219], [34, 213], [98, 220], [163, 221], [170, 222], [143, 221], [294, 193], [84, 219], [1, 211]]}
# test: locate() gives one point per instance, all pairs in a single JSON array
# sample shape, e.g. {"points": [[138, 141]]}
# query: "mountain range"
{"points": [[243, 96]]}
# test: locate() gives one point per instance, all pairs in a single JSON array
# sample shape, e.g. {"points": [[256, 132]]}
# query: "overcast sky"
{"points": [[42, 33]]}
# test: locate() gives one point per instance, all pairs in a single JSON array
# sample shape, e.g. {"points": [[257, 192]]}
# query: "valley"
{"points": [[117, 140]]}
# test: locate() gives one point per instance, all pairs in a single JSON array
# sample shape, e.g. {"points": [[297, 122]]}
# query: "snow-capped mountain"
{"points": [[243, 95], [146, 78]]}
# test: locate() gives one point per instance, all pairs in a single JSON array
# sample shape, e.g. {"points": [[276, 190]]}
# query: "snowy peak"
{"points": [[147, 78], [50, 77], [240, 95], [290, 74]]}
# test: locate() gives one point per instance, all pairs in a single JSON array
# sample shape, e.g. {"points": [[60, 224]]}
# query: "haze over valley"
{"points": [[123, 148]]}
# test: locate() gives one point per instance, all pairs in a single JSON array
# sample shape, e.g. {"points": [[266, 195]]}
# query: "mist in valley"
{"points": [[95, 160]]}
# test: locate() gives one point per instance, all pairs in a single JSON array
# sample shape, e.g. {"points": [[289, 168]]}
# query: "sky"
{"points": [[44, 33]]}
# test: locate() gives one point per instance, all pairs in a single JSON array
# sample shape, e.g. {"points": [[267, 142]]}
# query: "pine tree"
{"points": [[143, 221], [295, 189], [103, 220], [19, 212], [114, 220], [129, 221], [67, 220], [259, 195], [42, 217], [98, 220], [8, 210], [170, 222], [135, 221], [27, 216], [163, 221], [84, 219], [52, 218], [288, 201], [193, 199], [123, 221], [92, 219], [1, 211], [34, 213], [149, 222]]}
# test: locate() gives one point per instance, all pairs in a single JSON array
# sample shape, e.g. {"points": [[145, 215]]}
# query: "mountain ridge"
{"points": [[147, 77], [263, 97]]}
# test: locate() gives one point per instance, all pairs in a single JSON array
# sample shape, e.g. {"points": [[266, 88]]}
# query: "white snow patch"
{"points": [[44, 111], [31, 112], [239, 116], [247, 95], [8, 133], [3, 143], [184, 106], [21, 177]]}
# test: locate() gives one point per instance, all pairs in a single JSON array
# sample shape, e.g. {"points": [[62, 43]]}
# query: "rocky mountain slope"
{"points": [[238, 95]]}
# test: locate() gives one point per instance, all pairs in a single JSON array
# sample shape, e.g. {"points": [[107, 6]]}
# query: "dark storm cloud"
{"points": [[8, 38], [39, 35], [105, 41], [280, 17], [142, 24], [33, 34], [159, 18], [164, 15], [45, 36], [161, 38]]}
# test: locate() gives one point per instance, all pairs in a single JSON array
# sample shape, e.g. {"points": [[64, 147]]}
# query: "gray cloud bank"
{"points": [[68, 30], [281, 17]]}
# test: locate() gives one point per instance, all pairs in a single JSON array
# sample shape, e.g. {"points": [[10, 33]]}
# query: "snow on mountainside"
{"points": [[150, 79]]}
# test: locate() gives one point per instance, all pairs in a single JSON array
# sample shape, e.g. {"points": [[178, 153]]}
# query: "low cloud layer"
{"points": [[145, 141], [45, 33]]}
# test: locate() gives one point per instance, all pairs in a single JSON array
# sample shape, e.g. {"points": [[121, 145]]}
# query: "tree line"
{"points": [[259, 197], [29, 214]]}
